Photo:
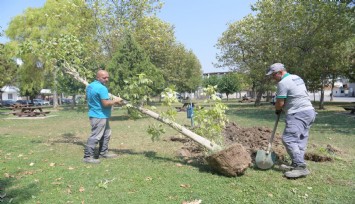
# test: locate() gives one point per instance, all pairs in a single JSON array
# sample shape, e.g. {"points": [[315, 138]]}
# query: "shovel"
{"points": [[266, 159]]}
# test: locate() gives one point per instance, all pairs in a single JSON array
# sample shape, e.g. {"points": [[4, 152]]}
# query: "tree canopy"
{"points": [[303, 35], [98, 29]]}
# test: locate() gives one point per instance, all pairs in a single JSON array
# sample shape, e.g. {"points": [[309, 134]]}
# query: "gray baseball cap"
{"points": [[275, 68]]}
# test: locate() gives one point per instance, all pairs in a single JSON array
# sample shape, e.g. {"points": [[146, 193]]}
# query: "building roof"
{"points": [[10, 89]]}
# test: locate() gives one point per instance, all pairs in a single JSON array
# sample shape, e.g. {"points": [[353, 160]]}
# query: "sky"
{"points": [[198, 23]]}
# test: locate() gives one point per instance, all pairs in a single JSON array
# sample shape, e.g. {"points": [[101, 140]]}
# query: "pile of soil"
{"points": [[242, 145], [252, 139]]}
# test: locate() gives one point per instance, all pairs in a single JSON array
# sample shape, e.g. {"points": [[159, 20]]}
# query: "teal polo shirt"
{"points": [[95, 92]]}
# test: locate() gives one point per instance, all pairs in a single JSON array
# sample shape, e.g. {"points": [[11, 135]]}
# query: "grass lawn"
{"points": [[41, 162]]}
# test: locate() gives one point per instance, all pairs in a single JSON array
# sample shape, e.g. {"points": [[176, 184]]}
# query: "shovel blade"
{"points": [[264, 160]]}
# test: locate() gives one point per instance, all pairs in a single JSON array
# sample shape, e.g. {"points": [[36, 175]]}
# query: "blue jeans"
{"points": [[295, 135], [100, 133]]}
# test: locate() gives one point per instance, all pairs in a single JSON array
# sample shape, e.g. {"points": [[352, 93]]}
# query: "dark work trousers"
{"points": [[100, 133], [295, 135]]}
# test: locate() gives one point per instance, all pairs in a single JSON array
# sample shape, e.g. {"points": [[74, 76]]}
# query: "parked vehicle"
{"points": [[7, 103], [24, 102], [40, 102], [219, 95], [67, 101]]}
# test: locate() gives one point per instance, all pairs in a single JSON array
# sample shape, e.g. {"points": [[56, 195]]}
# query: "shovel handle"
{"points": [[273, 134]]}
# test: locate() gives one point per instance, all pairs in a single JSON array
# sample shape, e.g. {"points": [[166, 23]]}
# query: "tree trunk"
{"points": [[331, 90], [197, 138], [321, 100], [314, 97], [72, 104], [55, 94], [258, 98]]}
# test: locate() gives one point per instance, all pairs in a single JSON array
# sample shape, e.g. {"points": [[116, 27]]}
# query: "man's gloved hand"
{"points": [[278, 112]]}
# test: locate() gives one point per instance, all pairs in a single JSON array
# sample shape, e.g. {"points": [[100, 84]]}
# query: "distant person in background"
{"points": [[99, 104], [292, 97]]}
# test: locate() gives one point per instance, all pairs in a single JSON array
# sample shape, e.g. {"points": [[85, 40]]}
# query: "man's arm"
{"points": [[108, 103], [280, 102]]}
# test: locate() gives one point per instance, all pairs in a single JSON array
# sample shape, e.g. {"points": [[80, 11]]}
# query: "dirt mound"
{"points": [[253, 139], [242, 144], [241, 147]]}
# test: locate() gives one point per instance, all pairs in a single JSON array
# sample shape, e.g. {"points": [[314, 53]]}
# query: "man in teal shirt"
{"points": [[292, 98], [99, 104]]}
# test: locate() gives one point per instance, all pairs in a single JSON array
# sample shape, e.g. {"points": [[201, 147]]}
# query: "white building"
{"points": [[10, 93]]}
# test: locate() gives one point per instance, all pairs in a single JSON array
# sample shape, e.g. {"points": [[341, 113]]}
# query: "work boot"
{"points": [[91, 160], [298, 171], [108, 155], [285, 167]]}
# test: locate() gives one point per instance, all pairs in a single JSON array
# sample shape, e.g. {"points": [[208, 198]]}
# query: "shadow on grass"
{"points": [[70, 138], [12, 193], [194, 162], [119, 118]]}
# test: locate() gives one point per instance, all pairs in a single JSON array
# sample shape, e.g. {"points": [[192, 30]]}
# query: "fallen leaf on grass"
{"points": [[270, 195], [179, 165], [185, 185], [27, 172], [31, 164], [7, 175], [148, 178], [71, 168], [81, 189], [56, 183], [68, 191], [192, 202], [52, 164]]}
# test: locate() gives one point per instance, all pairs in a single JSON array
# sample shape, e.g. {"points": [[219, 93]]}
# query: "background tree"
{"points": [[7, 67], [112, 18], [304, 35], [229, 84], [245, 49], [48, 24], [30, 76], [212, 80], [129, 61]]}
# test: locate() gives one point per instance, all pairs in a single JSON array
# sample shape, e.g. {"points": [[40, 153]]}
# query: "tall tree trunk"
{"points": [[321, 100], [72, 104], [55, 94], [258, 98], [331, 90]]}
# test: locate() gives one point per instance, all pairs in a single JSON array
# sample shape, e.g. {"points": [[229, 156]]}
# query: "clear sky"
{"points": [[198, 23]]}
